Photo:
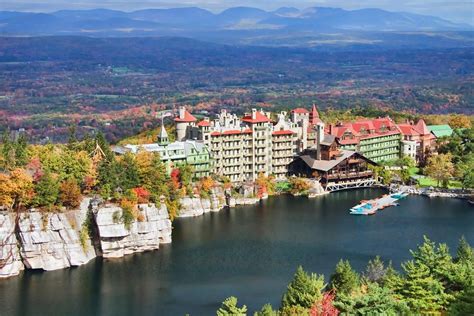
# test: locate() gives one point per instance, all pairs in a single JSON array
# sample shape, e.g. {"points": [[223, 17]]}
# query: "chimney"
{"points": [[181, 112], [319, 139], [254, 114]]}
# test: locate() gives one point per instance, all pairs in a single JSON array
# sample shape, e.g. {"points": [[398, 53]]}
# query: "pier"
{"points": [[371, 207]]}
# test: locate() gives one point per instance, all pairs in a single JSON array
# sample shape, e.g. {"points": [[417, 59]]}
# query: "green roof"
{"points": [[440, 130]]}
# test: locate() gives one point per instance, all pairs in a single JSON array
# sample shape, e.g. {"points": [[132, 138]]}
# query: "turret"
{"points": [[319, 139], [183, 122]]}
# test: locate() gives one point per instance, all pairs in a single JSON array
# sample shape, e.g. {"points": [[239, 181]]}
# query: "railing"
{"points": [[350, 175]]}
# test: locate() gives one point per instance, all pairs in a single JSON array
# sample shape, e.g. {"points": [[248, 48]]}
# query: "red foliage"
{"points": [[142, 194], [325, 307], [36, 169], [175, 178]]}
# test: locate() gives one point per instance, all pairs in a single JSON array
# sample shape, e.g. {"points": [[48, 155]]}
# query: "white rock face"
{"points": [[11, 264], [196, 206], [117, 241], [52, 241]]}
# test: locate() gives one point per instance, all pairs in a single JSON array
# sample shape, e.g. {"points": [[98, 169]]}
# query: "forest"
{"points": [[431, 283], [118, 85]]}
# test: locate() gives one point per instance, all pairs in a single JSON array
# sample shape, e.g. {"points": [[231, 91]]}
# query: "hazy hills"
{"points": [[244, 25]]}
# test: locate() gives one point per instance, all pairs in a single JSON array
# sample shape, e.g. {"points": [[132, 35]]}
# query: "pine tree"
{"points": [[464, 303], [21, 151], [344, 280], [373, 300], [267, 310], [418, 288], [375, 271], [130, 177], [104, 145], [47, 191], [464, 253], [304, 290], [229, 307]]}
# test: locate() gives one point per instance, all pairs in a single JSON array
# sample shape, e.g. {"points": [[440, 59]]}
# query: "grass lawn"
{"points": [[430, 182]]}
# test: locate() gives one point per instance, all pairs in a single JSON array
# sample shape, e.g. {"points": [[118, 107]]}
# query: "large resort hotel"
{"points": [[286, 144]]}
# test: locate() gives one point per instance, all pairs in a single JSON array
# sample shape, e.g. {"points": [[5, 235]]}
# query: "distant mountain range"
{"points": [[241, 24]]}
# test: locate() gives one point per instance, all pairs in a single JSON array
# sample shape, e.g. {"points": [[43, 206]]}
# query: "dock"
{"points": [[372, 206]]}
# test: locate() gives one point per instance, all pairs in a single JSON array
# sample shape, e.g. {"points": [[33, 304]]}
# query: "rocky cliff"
{"points": [[51, 241], [117, 240]]}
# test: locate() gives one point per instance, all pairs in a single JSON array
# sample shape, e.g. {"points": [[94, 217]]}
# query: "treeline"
{"points": [[53, 177], [431, 283]]}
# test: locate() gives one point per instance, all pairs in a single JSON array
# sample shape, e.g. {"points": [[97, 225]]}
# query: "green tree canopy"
{"points": [[344, 280], [304, 290], [229, 307]]}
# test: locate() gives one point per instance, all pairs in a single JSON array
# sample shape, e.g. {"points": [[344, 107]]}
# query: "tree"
{"points": [[465, 171], [375, 271], [421, 292], [47, 191], [70, 193], [16, 189], [344, 280], [298, 185], [325, 307], [304, 290], [440, 167], [130, 177], [464, 303], [229, 307], [267, 310], [464, 253], [436, 258]]}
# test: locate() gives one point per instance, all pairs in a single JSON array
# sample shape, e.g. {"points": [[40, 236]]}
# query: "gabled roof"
{"points": [[407, 129], [440, 130], [188, 118], [326, 165], [421, 127], [259, 118], [204, 123], [300, 111]]}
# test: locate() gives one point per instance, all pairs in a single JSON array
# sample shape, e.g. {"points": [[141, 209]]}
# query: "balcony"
{"points": [[350, 175]]}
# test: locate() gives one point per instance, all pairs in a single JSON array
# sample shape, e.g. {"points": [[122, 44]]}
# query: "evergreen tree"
{"points": [[344, 280], [304, 290], [8, 152], [130, 177], [464, 303], [72, 142], [104, 145], [267, 310], [21, 151], [373, 300], [375, 271], [464, 253], [229, 307], [436, 258], [421, 292], [47, 191]]}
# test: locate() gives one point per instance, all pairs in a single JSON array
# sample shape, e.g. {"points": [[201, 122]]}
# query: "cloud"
{"points": [[459, 11]]}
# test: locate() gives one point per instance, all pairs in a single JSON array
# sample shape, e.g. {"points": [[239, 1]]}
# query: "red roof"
{"points": [[259, 118], [300, 111], [204, 123], [422, 128], [188, 118], [407, 129], [283, 132]]}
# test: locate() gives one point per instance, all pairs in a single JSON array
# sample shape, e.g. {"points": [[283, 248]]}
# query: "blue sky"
{"points": [[457, 11]]}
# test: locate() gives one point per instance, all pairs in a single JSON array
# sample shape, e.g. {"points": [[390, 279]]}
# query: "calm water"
{"points": [[249, 252]]}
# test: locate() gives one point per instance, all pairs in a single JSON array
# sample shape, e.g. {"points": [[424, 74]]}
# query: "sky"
{"points": [[456, 11]]}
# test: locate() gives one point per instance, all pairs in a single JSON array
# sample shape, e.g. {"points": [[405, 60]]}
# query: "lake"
{"points": [[249, 252]]}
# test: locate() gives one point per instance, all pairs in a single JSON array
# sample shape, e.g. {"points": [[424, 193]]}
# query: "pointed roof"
{"points": [[163, 133], [421, 127], [314, 116], [188, 118]]}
